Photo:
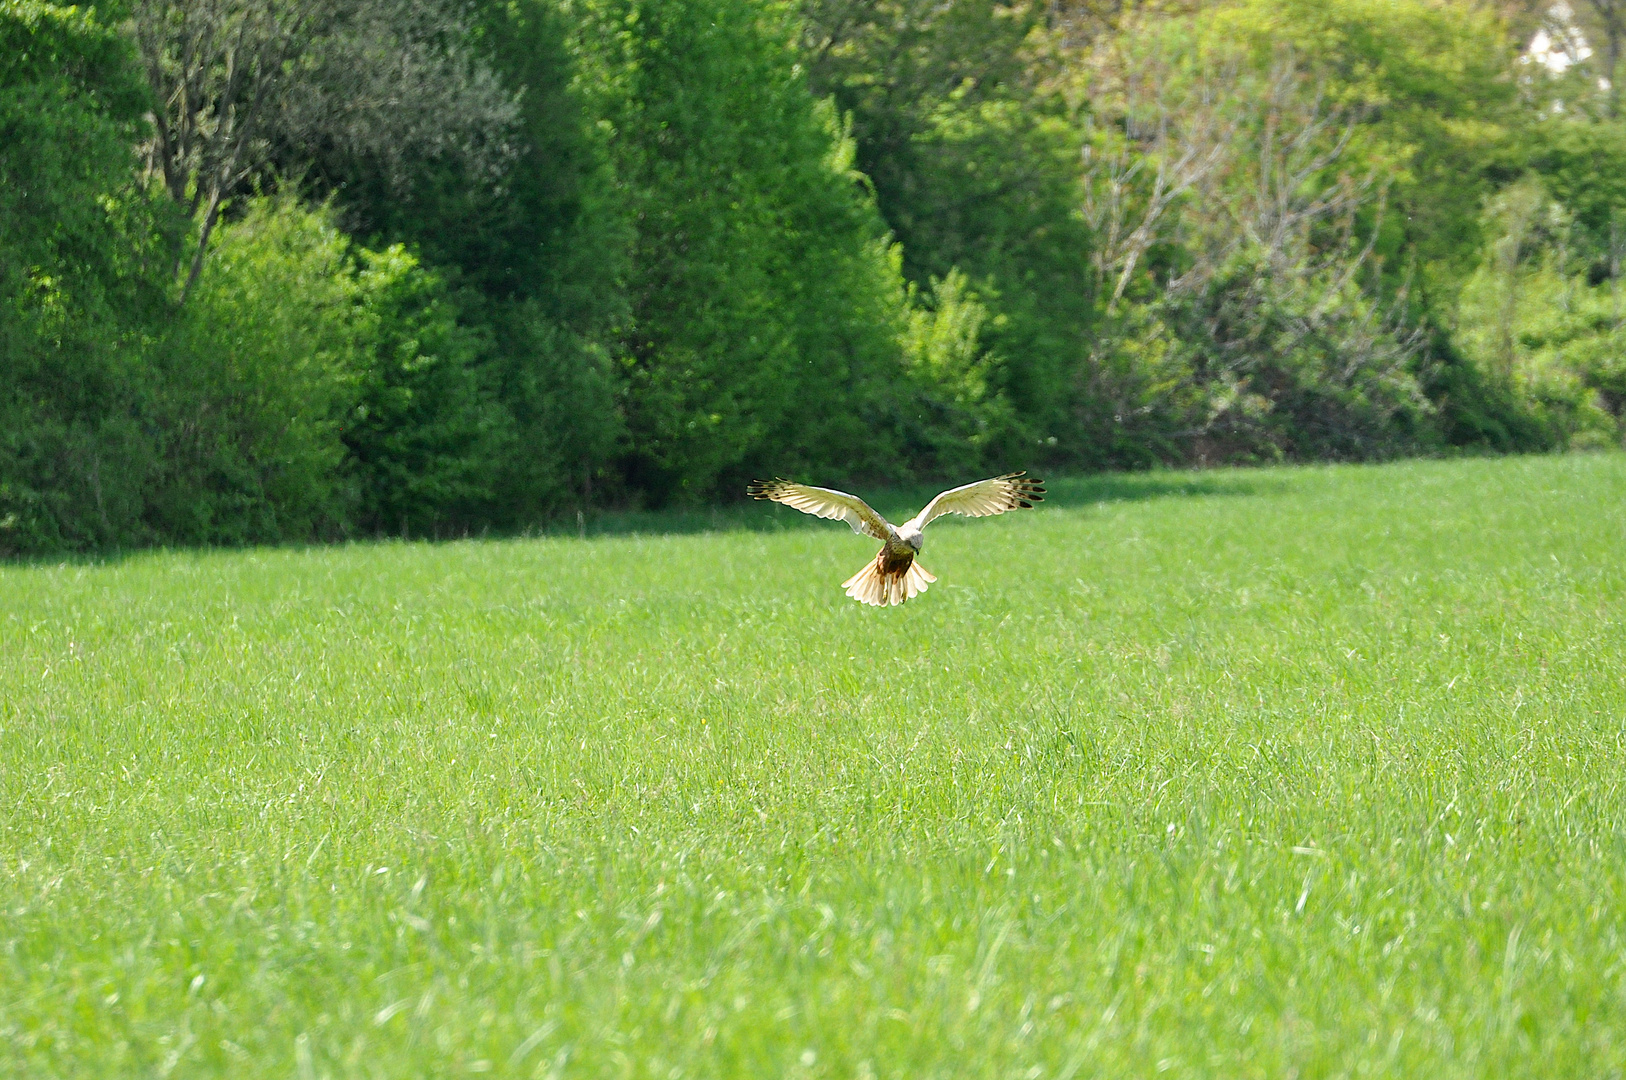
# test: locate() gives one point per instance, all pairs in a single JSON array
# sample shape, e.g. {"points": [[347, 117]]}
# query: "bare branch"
{"points": [[1180, 132], [237, 79], [1250, 179]]}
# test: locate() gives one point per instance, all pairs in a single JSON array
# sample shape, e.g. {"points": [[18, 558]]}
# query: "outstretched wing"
{"points": [[824, 503], [984, 498]]}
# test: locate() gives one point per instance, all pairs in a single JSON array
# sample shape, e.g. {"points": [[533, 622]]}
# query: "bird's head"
{"points": [[913, 538]]}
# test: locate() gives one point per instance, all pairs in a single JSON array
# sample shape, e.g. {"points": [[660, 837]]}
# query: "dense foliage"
{"points": [[306, 270]]}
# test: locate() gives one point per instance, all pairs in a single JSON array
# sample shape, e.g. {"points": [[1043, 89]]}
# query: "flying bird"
{"points": [[894, 576]]}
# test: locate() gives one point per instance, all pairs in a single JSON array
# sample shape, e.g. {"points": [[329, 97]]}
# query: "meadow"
{"points": [[1307, 772]]}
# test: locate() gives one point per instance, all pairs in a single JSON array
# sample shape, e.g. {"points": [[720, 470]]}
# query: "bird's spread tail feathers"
{"points": [[875, 586]]}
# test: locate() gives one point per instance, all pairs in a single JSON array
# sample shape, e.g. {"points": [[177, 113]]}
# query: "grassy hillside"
{"points": [[1304, 772]]}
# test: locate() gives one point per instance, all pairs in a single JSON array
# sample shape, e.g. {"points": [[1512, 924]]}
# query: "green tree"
{"points": [[78, 292], [1303, 249], [764, 313], [257, 376], [536, 253], [1435, 87], [973, 158], [426, 436], [237, 81]]}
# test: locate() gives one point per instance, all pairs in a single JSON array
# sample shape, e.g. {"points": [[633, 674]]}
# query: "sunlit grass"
{"points": [[1311, 772]]}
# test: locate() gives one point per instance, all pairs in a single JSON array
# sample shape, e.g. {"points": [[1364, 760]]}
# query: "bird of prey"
{"points": [[894, 576]]}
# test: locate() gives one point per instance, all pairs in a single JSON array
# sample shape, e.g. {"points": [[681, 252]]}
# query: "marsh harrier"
{"points": [[894, 576]]}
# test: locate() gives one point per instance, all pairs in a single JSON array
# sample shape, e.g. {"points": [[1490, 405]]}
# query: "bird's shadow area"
{"points": [[897, 503], [901, 502]]}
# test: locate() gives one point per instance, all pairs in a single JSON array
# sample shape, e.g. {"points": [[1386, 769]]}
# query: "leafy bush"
{"points": [[963, 134], [535, 257], [956, 419], [257, 376], [1237, 240], [1533, 321], [561, 388], [312, 388], [763, 309], [81, 252], [425, 436]]}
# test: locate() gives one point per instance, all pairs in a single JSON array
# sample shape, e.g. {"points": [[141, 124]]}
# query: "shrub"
{"points": [[257, 376], [81, 282], [956, 418], [425, 436], [763, 308]]}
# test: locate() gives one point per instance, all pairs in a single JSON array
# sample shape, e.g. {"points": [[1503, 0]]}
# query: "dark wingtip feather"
{"points": [[1028, 490]]}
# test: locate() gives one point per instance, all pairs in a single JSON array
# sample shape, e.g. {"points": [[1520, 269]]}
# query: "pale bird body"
{"points": [[894, 576]]}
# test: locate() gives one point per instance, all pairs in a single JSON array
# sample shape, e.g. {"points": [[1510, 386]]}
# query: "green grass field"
{"points": [[1285, 773]]}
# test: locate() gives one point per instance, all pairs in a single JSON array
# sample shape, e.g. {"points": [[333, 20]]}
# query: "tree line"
{"points": [[307, 269]]}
